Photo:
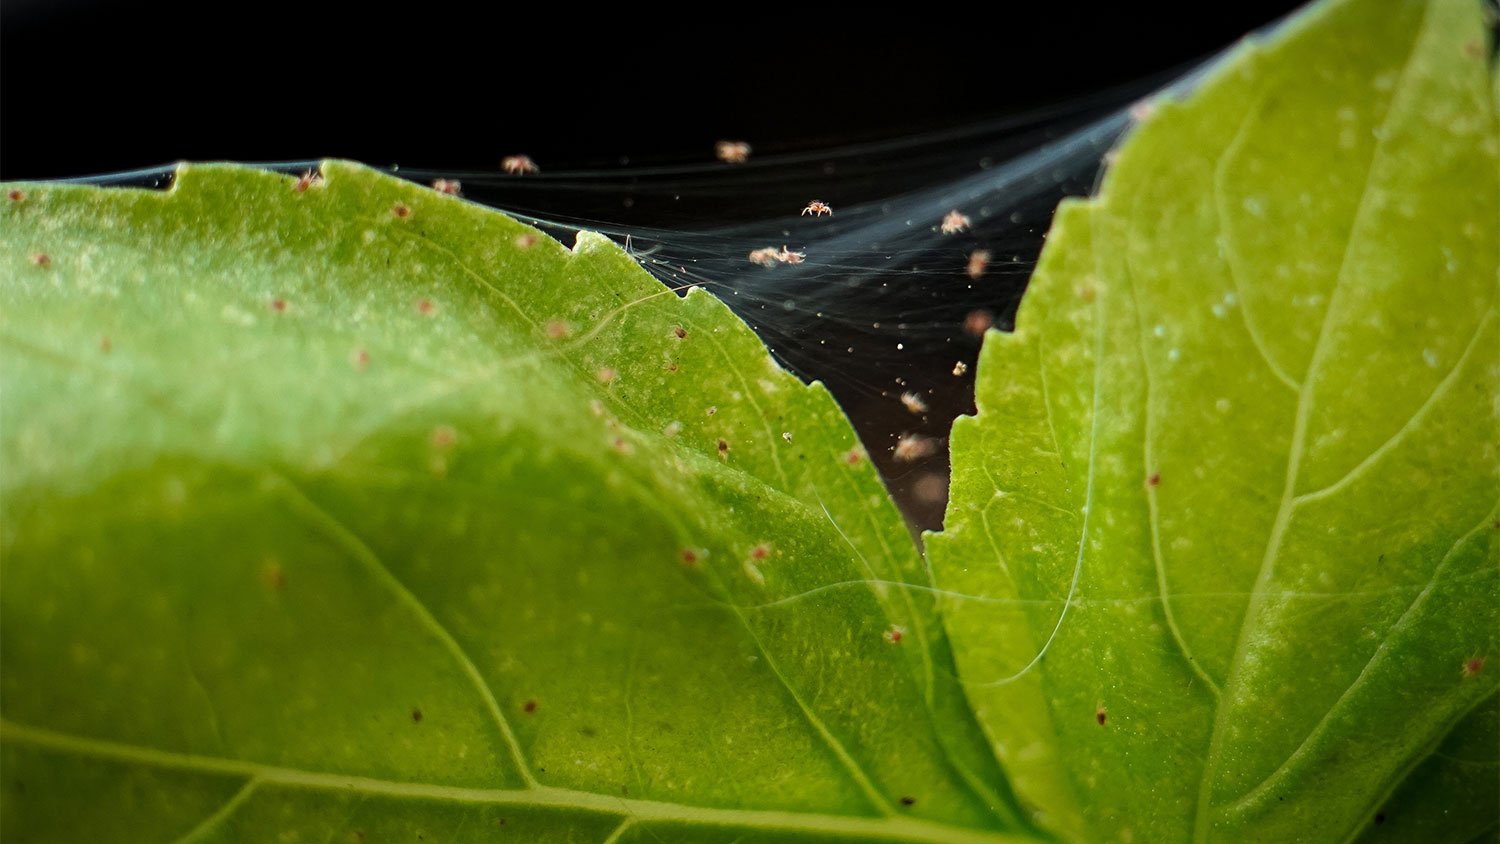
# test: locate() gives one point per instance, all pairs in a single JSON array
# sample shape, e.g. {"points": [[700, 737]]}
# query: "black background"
{"points": [[92, 86]]}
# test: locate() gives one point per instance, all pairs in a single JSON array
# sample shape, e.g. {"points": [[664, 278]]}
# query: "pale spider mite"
{"points": [[764, 257], [979, 259], [954, 222], [817, 208], [518, 165], [913, 403], [448, 186], [912, 447], [732, 152], [787, 257]]}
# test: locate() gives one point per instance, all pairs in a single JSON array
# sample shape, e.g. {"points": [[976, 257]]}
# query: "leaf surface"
{"points": [[1223, 534], [364, 513]]}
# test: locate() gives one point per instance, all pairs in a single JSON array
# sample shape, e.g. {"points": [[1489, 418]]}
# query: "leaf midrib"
{"points": [[896, 828]]}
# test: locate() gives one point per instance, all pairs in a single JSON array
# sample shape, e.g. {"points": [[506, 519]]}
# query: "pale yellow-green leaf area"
{"points": [[1222, 556]]}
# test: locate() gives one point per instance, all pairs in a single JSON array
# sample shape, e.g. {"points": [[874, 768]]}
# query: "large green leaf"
{"points": [[364, 513], [1223, 535]]}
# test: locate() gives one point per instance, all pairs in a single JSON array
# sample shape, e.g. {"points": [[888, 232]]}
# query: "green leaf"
{"points": [[1223, 534], [364, 513]]}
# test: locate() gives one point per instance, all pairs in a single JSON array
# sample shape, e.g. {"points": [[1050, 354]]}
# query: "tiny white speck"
{"points": [[1220, 311], [1222, 405], [1174, 354], [1160, 331], [1431, 357]]}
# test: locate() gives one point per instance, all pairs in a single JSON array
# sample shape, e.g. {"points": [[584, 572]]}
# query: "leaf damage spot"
{"points": [[273, 575], [443, 436], [712, 410], [529, 706], [416, 716], [1154, 480], [558, 330], [854, 456]]}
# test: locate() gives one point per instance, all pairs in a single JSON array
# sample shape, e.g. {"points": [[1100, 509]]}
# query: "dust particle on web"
{"points": [[959, 369], [912, 447], [732, 152]]}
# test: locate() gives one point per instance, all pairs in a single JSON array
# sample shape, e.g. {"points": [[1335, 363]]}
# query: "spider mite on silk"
{"points": [[519, 165], [817, 208]]}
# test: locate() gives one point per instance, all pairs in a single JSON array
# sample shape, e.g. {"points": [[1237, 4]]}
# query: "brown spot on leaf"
{"points": [[529, 706], [401, 210], [425, 307], [908, 801], [416, 716], [360, 358], [1154, 480], [16, 195], [723, 450], [41, 259], [1101, 716], [278, 305], [680, 332]]}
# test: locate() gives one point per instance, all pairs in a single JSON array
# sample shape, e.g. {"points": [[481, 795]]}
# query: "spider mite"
{"points": [[448, 186], [691, 557], [913, 403], [558, 330], [41, 259], [853, 456], [1101, 715], [787, 257], [607, 375], [309, 179], [817, 208], [518, 165], [732, 152], [723, 450], [954, 222], [16, 195], [978, 260], [978, 322], [401, 210], [766, 257], [1472, 666], [912, 447], [895, 634]]}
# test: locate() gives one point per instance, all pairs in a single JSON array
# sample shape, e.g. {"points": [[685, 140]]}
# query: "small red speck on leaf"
{"points": [[401, 210], [529, 706], [278, 305], [525, 241], [895, 634], [1472, 666], [760, 552], [691, 557], [16, 195], [621, 445], [1101, 716], [558, 330], [42, 259], [854, 456], [1154, 480], [425, 307], [443, 436], [361, 359], [416, 716], [680, 332], [607, 375]]}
